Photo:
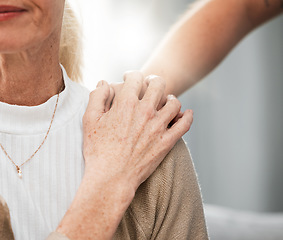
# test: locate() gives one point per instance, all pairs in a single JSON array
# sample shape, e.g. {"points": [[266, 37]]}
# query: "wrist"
{"points": [[122, 184], [97, 209], [117, 188]]}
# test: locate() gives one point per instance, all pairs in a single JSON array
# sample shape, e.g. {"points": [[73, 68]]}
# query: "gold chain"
{"points": [[18, 167]]}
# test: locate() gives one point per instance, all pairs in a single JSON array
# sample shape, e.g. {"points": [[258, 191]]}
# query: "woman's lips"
{"points": [[8, 12]]}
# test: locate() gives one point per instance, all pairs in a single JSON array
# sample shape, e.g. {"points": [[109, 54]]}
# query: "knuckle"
{"points": [[173, 100], [148, 111], [169, 140], [158, 128]]}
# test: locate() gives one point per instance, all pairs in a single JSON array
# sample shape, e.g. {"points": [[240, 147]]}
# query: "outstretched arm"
{"points": [[204, 36]]}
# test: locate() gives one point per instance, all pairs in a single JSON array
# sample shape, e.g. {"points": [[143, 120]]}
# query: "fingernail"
{"points": [[151, 76], [170, 97]]}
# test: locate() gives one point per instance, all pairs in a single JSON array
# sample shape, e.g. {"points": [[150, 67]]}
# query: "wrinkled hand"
{"points": [[128, 141]]}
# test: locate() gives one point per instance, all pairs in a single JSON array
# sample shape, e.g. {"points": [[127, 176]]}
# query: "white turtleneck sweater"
{"points": [[39, 200]]}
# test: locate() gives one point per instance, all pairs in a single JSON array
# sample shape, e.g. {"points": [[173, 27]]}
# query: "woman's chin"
{"points": [[10, 44], [13, 41], [10, 48]]}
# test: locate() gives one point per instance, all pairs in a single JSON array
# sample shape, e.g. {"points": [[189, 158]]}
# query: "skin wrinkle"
{"points": [[37, 23], [39, 46]]}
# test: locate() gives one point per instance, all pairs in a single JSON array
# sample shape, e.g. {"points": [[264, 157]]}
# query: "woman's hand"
{"points": [[128, 142], [116, 87], [123, 145]]}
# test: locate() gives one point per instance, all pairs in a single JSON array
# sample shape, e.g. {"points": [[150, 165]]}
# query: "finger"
{"points": [[162, 102], [117, 87], [170, 110], [179, 128], [155, 90], [132, 84], [98, 98], [110, 99], [179, 115], [143, 90]]}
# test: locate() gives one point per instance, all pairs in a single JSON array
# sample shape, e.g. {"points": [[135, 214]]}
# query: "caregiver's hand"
{"points": [[130, 140]]}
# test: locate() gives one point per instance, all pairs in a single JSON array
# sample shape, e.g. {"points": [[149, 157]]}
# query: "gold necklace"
{"points": [[18, 167]]}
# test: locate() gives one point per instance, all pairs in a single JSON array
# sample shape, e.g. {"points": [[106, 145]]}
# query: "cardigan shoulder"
{"points": [[168, 204]]}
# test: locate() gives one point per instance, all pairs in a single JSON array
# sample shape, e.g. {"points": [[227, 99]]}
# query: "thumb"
{"points": [[98, 98]]}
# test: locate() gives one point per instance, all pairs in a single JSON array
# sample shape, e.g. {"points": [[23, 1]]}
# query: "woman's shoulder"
{"points": [[168, 204]]}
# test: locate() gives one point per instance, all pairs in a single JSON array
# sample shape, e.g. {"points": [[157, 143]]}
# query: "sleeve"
{"points": [[6, 232], [168, 205]]}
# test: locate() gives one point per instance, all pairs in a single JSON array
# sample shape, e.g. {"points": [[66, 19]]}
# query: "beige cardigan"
{"points": [[167, 206]]}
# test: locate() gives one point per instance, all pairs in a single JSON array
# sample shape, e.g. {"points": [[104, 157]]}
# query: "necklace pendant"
{"points": [[19, 172]]}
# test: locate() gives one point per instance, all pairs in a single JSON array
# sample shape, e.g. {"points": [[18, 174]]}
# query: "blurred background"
{"points": [[237, 137]]}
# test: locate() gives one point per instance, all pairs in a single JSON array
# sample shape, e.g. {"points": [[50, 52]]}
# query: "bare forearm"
{"points": [[97, 210], [203, 37]]}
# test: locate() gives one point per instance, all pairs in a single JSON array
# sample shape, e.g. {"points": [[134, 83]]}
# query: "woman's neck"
{"points": [[31, 77]]}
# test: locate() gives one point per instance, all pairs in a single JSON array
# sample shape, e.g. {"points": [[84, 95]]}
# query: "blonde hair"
{"points": [[71, 45]]}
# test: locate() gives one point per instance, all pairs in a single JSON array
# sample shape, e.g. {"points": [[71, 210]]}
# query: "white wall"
{"points": [[237, 136]]}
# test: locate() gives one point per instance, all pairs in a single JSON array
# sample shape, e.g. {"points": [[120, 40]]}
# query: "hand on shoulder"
{"points": [[129, 140]]}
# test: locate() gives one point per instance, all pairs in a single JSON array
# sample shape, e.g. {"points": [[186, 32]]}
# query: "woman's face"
{"points": [[26, 24]]}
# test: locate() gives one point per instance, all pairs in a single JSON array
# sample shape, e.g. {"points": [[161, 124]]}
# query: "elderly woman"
{"points": [[51, 148]]}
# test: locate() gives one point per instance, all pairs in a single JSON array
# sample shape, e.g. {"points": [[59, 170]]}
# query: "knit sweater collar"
{"points": [[26, 120]]}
